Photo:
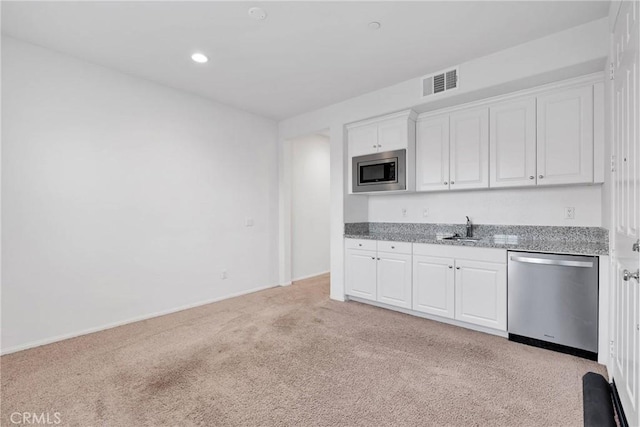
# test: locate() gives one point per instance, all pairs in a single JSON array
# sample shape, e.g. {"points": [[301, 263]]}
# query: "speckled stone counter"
{"points": [[562, 240]]}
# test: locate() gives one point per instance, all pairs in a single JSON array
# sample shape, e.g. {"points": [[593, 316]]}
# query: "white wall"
{"points": [[527, 206], [575, 51], [123, 198], [310, 206]]}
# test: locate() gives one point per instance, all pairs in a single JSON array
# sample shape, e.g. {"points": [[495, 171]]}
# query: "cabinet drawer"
{"points": [[461, 252], [364, 244], [394, 247]]}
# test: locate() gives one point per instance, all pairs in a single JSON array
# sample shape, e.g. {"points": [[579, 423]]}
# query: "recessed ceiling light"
{"points": [[374, 25], [200, 58], [258, 13]]}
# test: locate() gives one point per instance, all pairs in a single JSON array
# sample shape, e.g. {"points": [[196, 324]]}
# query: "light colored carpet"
{"points": [[290, 356]]}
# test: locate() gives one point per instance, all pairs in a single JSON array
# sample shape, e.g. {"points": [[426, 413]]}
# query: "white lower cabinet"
{"points": [[462, 283], [394, 279], [433, 285], [481, 293], [379, 271], [361, 273]]}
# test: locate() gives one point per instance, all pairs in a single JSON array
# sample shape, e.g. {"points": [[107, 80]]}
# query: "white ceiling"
{"points": [[304, 56]]}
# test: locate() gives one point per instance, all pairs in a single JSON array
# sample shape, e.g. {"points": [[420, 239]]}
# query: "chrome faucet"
{"points": [[469, 228]]}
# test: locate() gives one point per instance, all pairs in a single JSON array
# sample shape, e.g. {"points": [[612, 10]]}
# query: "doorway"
{"points": [[310, 206]]}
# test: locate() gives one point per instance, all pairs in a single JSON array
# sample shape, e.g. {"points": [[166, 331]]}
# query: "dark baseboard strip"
{"points": [[622, 419], [553, 346]]}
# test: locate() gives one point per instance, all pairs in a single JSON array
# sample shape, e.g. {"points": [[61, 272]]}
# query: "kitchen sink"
{"points": [[461, 239]]}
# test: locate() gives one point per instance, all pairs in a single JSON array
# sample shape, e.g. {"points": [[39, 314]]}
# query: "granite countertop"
{"points": [[563, 240]]}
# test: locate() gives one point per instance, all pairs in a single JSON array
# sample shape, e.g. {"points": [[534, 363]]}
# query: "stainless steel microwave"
{"points": [[380, 172]]}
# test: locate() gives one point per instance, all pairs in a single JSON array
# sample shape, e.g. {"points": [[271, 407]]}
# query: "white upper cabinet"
{"points": [[392, 132], [469, 149], [452, 151], [363, 140], [552, 135], [565, 136], [512, 143], [432, 154]]}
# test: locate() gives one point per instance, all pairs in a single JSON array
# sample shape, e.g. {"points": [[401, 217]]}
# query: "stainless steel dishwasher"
{"points": [[553, 302]]}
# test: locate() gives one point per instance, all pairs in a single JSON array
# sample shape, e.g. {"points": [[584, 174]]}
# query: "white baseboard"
{"points": [[63, 337], [310, 276]]}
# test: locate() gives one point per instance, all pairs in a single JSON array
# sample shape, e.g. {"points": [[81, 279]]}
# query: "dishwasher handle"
{"points": [[545, 261]]}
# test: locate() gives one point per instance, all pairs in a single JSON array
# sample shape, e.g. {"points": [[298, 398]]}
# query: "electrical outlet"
{"points": [[224, 275], [569, 213], [404, 212], [425, 213], [248, 222]]}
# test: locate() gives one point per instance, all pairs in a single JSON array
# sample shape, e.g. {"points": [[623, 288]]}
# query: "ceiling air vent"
{"points": [[440, 82]]}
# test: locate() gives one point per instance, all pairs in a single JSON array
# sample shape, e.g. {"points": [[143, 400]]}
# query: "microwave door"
{"points": [[378, 172]]}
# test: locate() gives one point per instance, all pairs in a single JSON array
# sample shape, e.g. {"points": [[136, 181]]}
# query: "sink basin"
{"points": [[461, 239]]}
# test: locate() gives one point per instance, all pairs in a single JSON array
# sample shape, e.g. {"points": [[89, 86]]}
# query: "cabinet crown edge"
{"points": [[408, 114]]}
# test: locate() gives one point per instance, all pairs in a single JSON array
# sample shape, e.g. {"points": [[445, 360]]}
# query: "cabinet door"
{"points": [[361, 273], [481, 293], [363, 140], [393, 134], [565, 137], [394, 279], [512, 143], [432, 154], [433, 285], [469, 149]]}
